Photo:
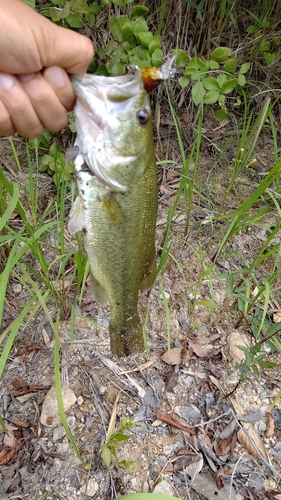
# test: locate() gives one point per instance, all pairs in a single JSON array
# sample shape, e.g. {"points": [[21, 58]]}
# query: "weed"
{"points": [[214, 79], [109, 449]]}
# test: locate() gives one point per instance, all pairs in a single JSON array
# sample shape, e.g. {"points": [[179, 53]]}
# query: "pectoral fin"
{"points": [[77, 216], [113, 210]]}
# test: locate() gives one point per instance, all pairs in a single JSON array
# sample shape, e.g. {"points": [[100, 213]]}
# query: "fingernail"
{"points": [[26, 77], [6, 81], [56, 76]]}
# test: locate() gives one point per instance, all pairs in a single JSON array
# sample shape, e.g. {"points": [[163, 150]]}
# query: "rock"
{"points": [[58, 433], [90, 488], [164, 488], [233, 340], [50, 414]]}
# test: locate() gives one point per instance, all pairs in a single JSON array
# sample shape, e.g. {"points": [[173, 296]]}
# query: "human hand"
{"points": [[35, 59]]}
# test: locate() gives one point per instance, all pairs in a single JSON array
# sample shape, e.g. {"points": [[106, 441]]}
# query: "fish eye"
{"points": [[142, 117]]}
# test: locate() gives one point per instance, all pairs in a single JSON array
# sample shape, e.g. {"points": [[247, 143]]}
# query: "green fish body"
{"points": [[117, 203]]}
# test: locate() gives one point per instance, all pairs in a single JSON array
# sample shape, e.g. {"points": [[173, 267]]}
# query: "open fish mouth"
{"points": [[101, 102]]}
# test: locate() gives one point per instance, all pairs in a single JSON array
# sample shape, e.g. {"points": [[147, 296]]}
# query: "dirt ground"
{"points": [[198, 435]]}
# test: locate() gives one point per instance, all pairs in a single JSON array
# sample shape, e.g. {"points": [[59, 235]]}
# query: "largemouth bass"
{"points": [[117, 203]]}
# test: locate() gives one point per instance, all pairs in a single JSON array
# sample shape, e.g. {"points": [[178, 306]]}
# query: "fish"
{"points": [[116, 207]]}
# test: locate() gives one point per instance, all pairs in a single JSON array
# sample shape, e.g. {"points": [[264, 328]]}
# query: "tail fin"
{"points": [[126, 336]]}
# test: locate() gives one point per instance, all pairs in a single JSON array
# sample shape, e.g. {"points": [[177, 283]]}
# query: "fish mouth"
{"points": [[100, 99]]}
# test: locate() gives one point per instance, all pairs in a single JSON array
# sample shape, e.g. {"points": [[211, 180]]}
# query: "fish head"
{"points": [[114, 127]]}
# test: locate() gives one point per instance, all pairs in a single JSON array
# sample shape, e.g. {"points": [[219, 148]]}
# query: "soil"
{"points": [[199, 434]]}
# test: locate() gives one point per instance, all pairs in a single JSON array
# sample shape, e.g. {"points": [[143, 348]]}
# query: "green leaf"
{"points": [[144, 37], [211, 97], [221, 114], [91, 18], [140, 25], [105, 454], [198, 93], [115, 28], [184, 81], [142, 53], [30, 3], [58, 14], [127, 30], [181, 57], [157, 57], [228, 86], [241, 80], [213, 64], [75, 21], [255, 370], [244, 68], [138, 11], [95, 8], [220, 54], [115, 68], [210, 83], [230, 65], [221, 79], [154, 44], [196, 63], [100, 51], [79, 6], [121, 3]]}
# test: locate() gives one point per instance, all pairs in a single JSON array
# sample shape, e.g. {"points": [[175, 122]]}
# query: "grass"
{"points": [[54, 273]]}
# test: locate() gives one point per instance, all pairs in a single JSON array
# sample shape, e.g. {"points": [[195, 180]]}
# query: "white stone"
{"points": [[50, 414]]}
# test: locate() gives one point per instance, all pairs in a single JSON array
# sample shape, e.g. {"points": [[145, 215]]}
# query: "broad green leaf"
{"points": [[79, 6], [241, 80], [181, 57], [198, 93], [112, 46], [221, 114], [220, 54], [100, 51], [213, 64], [127, 30], [157, 57], [142, 53], [230, 65], [184, 81], [196, 63], [59, 3], [115, 68], [138, 11], [244, 67], [30, 3], [228, 86], [105, 454], [91, 18], [211, 97], [75, 21], [115, 28], [154, 44], [221, 79], [210, 83], [144, 37], [121, 3], [140, 25], [58, 14], [95, 8]]}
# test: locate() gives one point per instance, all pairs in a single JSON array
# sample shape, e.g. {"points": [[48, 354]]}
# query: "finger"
{"points": [[47, 106], [57, 50], [59, 80], [6, 125], [21, 112]]}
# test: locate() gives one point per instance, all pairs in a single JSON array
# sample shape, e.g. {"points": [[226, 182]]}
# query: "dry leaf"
{"points": [[222, 447], [270, 426], [246, 443], [171, 381], [250, 428], [172, 356]]}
